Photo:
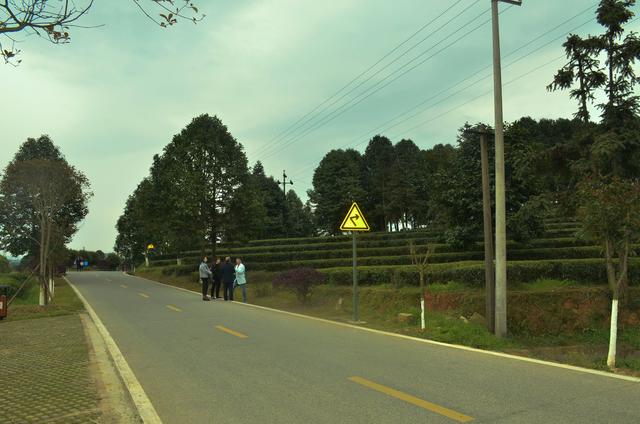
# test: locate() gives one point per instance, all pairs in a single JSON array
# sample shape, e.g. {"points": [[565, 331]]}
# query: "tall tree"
{"points": [[299, 217], [433, 162], [610, 214], [621, 52], [582, 69], [404, 183], [377, 160], [616, 147], [206, 164], [41, 202], [247, 213], [273, 200], [337, 181]]}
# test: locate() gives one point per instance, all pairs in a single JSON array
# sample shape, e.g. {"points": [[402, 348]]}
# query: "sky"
{"points": [[116, 94]]}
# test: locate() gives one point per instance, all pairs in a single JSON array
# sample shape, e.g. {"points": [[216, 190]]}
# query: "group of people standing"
{"points": [[225, 274]]}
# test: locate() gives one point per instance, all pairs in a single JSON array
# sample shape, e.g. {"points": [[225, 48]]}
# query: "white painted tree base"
{"points": [[42, 299], [613, 335], [422, 325]]}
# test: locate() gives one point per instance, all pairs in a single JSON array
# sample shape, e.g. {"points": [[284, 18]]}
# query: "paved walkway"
{"points": [[45, 374]]}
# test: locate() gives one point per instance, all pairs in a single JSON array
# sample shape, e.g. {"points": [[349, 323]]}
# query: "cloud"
{"points": [[117, 94]]}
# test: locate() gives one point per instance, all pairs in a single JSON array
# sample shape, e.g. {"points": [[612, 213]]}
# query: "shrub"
{"points": [[300, 281], [589, 271], [13, 280], [527, 223], [5, 266]]}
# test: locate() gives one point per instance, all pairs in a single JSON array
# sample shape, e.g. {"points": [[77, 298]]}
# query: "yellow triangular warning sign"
{"points": [[354, 221]]}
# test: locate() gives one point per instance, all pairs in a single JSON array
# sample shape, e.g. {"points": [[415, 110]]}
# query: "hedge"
{"points": [[591, 271], [342, 244], [375, 248], [386, 256]]}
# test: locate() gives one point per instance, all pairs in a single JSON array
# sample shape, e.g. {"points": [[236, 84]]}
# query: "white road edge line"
{"points": [[140, 399], [432, 342]]}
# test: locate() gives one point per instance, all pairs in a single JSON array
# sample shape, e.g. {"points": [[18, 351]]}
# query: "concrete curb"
{"points": [[432, 342], [140, 399]]}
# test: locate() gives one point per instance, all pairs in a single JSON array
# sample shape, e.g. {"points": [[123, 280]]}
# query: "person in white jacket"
{"points": [[241, 279]]}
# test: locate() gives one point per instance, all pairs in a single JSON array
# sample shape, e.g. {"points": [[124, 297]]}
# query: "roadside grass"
{"points": [[544, 284], [25, 306], [381, 305]]}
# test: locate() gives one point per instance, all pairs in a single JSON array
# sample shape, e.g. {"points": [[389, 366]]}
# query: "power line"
{"points": [[376, 87], [366, 93], [486, 93], [285, 140], [296, 125], [384, 125]]}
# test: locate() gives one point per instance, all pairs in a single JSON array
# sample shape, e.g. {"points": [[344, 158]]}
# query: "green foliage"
{"points": [[610, 215], [587, 271], [405, 182], [378, 157], [582, 69], [5, 266], [188, 197], [528, 222], [336, 183], [97, 260], [14, 280], [39, 188]]}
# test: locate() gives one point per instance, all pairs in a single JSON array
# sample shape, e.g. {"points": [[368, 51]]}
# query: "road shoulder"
{"points": [[115, 403]]}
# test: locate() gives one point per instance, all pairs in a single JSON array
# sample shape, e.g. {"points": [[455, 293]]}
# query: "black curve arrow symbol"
{"points": [[354, 219]]}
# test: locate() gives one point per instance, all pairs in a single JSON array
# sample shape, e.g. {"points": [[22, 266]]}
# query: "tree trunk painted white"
{"points": [[422, 325], [613, 336], [146, 260], [42, 299]]}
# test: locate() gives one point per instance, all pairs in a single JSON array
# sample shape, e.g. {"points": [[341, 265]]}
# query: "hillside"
{"points": [[384, 258]]}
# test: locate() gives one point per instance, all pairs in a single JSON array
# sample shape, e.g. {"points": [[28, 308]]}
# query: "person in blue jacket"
{"points": [[241, 279]]}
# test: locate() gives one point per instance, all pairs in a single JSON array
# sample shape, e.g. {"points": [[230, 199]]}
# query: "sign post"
{"points": [[354, 222], [356, 297], [150, 246]]}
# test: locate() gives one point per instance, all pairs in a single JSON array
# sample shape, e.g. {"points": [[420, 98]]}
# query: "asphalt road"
{"points": [[218, 362]]}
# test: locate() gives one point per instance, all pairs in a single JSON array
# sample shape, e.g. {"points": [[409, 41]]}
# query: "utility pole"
{"points": [[501, 213], [489, 280], [284, 199]]}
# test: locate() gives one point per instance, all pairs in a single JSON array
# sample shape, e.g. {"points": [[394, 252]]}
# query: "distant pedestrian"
{"points": [[79, 263], [205, 275], [228, 278], [216, 271], [241, 279]]}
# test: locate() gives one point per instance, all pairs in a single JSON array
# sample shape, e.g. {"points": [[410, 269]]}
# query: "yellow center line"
{"points": [[456, 416], [173, 308], [233, 333], [124, 286], [146, 296]]}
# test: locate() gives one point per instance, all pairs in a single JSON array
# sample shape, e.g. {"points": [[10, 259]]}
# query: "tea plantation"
{"points": [[384, 258]]}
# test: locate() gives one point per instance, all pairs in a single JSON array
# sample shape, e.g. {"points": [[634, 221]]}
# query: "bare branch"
{"points": [[54, 18]]}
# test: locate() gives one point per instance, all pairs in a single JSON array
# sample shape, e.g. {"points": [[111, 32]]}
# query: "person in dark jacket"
{"points": [[228, 277], [216, 270]]}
